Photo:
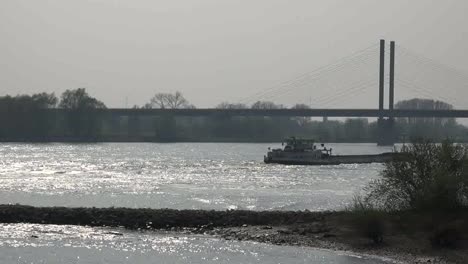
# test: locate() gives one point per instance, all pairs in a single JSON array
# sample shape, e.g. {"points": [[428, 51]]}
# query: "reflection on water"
{"points": [[207, 176], [188, 175], [29, 243]]}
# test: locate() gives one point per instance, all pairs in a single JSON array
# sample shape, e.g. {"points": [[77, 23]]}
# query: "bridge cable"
{"points": [[316, 71]]}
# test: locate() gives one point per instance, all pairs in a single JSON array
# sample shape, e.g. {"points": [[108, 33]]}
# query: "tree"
{"points": [[425, 104], [426, 176], [22, 116], [268, 126], [79, 99], [266, 105], [44, 100], [166, 125], [169, 101], [356, 129], [301, 121], [226, 105], [81, 122], [428, 127]]}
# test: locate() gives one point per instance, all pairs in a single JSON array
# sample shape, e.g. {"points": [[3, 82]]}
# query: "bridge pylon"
{"points": [[386, 130]]}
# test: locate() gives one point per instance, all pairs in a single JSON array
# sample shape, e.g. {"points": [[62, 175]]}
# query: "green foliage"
{"points": [[427, 176]]}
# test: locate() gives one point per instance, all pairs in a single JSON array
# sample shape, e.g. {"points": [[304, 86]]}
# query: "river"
{"points": [[29, 243], [181, 176]]}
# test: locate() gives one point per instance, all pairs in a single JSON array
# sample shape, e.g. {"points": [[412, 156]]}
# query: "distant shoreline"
{"points": [[175, 141], [328, 230]]}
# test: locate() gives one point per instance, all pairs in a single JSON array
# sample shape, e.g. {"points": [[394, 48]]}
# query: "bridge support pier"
{"points": [[386, 131]]}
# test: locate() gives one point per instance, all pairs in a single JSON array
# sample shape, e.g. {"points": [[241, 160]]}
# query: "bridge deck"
{"points": [[282, 112]]}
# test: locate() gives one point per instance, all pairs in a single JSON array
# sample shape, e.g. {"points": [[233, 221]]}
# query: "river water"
{"points": [[29, 243], [180, 176]]}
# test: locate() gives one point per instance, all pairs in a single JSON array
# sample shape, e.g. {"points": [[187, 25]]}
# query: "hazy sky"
{"points": [[210, 50]]}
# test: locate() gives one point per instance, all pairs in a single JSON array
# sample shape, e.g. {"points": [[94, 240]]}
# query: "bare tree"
{"points": [[169, 101]]}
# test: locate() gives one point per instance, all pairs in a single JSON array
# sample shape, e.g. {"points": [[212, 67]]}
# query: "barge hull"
{"points": [[336, 160]]}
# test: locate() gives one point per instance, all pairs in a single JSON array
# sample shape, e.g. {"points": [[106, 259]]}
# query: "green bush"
{"points": [[426, 176]]}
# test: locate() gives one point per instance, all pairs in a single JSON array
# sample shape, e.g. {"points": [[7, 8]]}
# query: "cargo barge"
{"points": [[306, 152]]}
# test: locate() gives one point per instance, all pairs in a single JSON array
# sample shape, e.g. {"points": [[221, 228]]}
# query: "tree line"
{"points": [[22, 118]]}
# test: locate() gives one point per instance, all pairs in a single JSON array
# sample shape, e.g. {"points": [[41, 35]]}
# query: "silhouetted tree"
{"points": [[428, 127], [22, 117], [268, 126], [81, 121], [45, 100], [357, 129], [79, 99], [166, 125], [266, 105], [301, 121], [169, 101], [226, 105], [26, 117]]}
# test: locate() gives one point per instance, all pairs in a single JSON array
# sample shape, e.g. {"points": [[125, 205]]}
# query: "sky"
{"points": [[124, 52]]}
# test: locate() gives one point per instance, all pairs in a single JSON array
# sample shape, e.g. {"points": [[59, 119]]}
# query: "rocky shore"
{"points": [[305, 236], [143, 218], [327, 230]]}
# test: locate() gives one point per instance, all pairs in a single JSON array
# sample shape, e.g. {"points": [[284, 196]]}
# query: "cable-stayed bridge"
{"points": [[289, 112], [362, 74]]}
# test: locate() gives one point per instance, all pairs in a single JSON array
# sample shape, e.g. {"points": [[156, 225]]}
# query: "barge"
{"points": [[306, 152]]}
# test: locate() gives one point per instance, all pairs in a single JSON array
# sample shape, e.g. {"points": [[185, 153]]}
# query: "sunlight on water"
{"points": [[184, 175], [30, 243], [205, 176]]}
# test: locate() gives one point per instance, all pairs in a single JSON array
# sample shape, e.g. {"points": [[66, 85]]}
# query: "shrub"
{"points": [[447, 235], [367, 221], [426, 176]]}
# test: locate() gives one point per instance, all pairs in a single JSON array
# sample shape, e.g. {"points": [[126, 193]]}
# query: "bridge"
{"points": [[281, 112], [413, 81], [348, 73]]}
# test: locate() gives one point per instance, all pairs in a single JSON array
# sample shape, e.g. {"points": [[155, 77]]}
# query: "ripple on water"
{"points": [[175, 176], [32, 243]]}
